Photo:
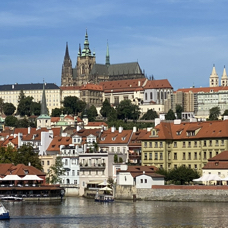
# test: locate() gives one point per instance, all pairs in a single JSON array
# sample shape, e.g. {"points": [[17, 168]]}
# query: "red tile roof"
{"points": [[90, 124], [109, 137], [204, 89], [57, 141], [219, 161], [156, 84], [123, 85], [92, 87], [7, 169], [207, 129], [136, 138]]}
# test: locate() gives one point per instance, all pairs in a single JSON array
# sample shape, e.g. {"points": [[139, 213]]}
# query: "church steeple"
{"points": [[67, 76], [44, 110], [107, 62], [79, 50], [214, 79], [224, 80], [44, 120], [86, 51], [67, 56]]}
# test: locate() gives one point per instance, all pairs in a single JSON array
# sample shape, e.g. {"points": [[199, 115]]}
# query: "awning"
{"points": [[209, 177], [31, 177], [94, 182], [105, 189], [11, 177]]}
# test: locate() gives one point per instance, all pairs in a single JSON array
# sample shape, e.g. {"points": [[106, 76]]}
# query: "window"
{"points": [[145, 96], [175, 156], [48, 162], [189, 155], [161, 145], [216, 143], [141, 181], [222, 142], [195, 166], [116, 100], [150, 156], [42, 162], [77, 172], [175, 166], [145, 156], [210, 154], [161, 156], [189, 144], [175, 144], [204, 155], [183, 144], [66, 162], [156, 144], [195, 144], [73, 172], [75, 182], [210, 143], [204, 143], [184, 156], [118, 149], [189, 166], [145, 144], [145, 180], [156, 156], [195, 155], [150, 144]]}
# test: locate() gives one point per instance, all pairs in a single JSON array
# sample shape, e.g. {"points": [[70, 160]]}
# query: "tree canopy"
{"points": [[170, 115], [180, 175], [55, 172], [72, 105], [150, 115], [92, 113], [8, 109], [214, 113], [126, 110], [179, 110], [11, 121], [105, 109], [24, 155], [56, 112]]}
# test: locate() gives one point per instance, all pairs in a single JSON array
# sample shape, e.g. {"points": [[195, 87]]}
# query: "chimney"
{"points": [[139, 83], [113, 129], [134, 129], [29, 130], [157, 121], [120, 129]]}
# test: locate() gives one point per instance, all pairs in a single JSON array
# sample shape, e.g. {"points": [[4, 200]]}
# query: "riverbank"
{"points": [[180, 193]]}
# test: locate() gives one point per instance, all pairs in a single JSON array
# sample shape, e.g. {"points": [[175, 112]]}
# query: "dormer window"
{"points": [[26, 172], [123, 138], [113, 138]]}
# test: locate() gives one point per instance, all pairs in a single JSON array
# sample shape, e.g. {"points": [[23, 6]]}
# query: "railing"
{"points": [[69, 185]]}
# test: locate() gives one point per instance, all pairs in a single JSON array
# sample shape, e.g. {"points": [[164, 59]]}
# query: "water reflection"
{"points": [[79, 212]]}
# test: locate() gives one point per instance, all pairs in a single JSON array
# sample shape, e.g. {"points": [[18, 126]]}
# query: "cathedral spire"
{"points": [[67, 56], [86, 51], [107, 63], [79, 50], [43, 102]]}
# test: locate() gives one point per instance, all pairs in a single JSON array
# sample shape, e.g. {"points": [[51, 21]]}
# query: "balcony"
{"points": [[92, 166]]}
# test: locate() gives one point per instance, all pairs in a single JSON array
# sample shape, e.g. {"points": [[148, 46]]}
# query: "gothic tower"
{"points": [[44, 120], [67, 74], [224, 79], [85, 62], [214, 79]]}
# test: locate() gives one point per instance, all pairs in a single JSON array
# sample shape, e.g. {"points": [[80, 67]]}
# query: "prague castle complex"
{"points": [[88, 71]]}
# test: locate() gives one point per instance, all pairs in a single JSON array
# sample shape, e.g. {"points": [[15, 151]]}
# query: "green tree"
{"points": [[35, 108], [179, 110], [225, 113], [105, 109], [214, 113], [180, 175], [11, 121], [1, 105], [8, 154], [55, 172], [25, 106], [73, 105], [92, 113], [120, 160], [56, 112], [170, 115], [150, 115], [9, 109], [115, 158], [110, 182], [26, 155], [126, 110], [24, 123], [112, 116]]}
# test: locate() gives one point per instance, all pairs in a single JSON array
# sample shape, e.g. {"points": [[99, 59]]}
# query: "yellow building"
{"points": [[10, 93], [170, 145]]}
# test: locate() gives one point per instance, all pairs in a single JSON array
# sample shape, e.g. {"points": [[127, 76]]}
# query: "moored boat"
{"points": [[14, 198], [4, 214], [104, 198]]}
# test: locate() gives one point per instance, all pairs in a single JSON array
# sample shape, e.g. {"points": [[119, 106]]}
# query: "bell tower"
{"points": [[214, 79]]}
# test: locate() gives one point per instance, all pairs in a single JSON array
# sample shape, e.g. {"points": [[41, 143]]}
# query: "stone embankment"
{"points": [[187, 193]]}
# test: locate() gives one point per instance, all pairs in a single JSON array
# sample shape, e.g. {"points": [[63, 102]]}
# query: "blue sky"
{"points": [[175, 39]]}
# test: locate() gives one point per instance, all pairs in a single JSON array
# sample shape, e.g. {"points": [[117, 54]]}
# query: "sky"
{"points": [[178, 40]]}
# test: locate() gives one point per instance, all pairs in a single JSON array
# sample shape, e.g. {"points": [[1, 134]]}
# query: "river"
{"points": [[80, 212]]}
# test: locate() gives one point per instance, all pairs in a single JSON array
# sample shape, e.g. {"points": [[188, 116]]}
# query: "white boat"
{"points": [[4, 214], [14, 198]]}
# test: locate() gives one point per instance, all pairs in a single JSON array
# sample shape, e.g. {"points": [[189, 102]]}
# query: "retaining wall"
{"points": [[174, 193]]}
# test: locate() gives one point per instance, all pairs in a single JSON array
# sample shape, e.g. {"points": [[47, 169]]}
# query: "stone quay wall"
{"points": [[174, 193]]}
